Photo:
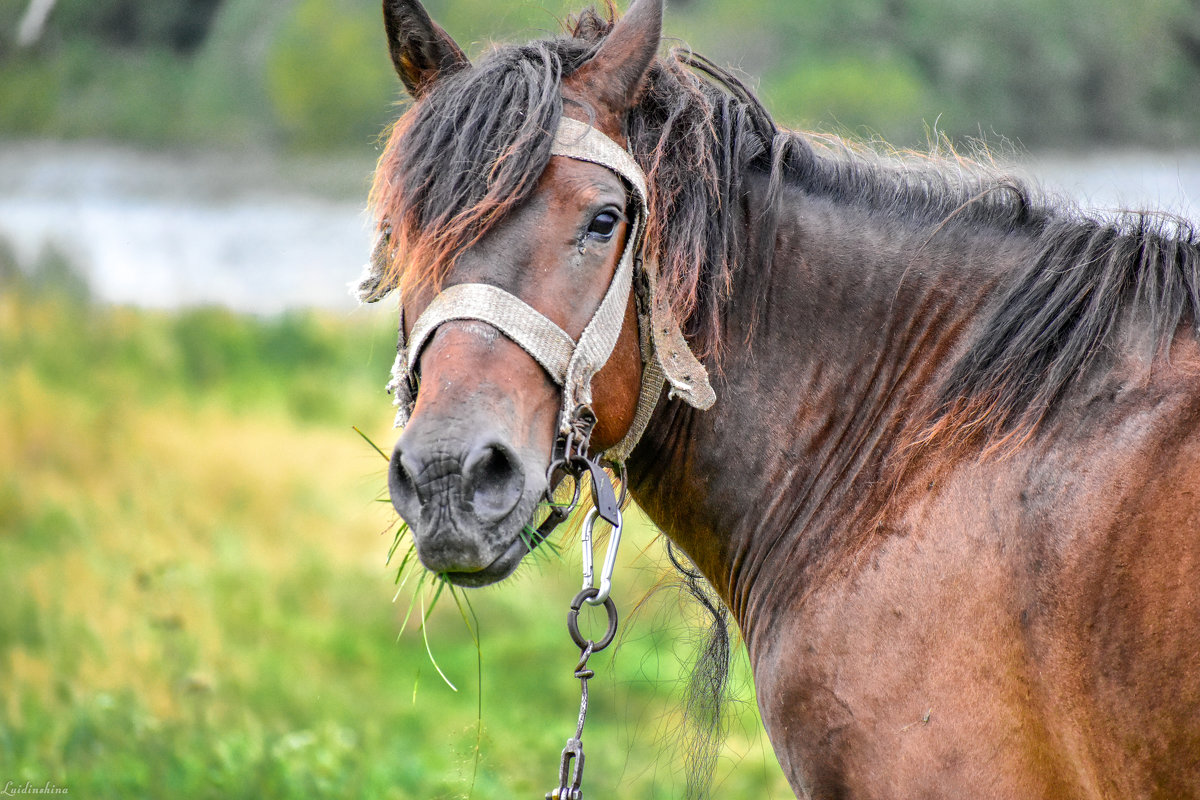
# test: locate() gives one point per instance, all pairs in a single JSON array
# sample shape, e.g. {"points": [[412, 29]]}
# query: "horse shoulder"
{"points": [[1027, 629]]}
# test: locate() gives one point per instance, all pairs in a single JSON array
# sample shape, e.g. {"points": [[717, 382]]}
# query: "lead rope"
{"points": [[574, 461]]}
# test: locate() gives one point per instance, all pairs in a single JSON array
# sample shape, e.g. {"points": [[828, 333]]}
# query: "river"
{"points": [[262, 234]]}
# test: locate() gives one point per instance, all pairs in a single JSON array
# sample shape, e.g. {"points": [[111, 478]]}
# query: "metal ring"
{"points": [[573, 620], [619, 472], [552, 487]]}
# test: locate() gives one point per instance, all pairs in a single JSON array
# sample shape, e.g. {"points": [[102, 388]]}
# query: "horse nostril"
{"points": [[494, 480], [403, 488]]}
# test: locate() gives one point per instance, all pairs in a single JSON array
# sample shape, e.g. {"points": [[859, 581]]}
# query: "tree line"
{"points": [[313, 74]]}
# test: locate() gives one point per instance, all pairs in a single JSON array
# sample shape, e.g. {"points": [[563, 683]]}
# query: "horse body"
{"points": [[1022, 626], [949, 486]]}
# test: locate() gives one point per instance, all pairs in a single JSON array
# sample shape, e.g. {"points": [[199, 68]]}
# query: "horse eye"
{"points": [[603, 225]]}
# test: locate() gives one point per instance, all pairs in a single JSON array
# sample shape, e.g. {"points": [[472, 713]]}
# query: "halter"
{"points": [[666, 358]]}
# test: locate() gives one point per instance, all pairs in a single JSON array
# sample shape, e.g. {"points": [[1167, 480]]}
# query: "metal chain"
{"points": [[570, 770]]}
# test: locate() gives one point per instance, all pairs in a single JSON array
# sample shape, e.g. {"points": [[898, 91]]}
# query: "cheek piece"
{"points": [[666, 358]]}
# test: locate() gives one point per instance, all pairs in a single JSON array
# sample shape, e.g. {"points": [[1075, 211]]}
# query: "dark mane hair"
{"points": [[1060, 313]]}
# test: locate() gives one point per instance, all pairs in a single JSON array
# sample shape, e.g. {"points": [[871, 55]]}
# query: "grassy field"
{"points": [[194, 600]]}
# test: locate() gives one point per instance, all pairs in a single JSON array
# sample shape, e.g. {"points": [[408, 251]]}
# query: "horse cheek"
{"points": [[615, 388]]}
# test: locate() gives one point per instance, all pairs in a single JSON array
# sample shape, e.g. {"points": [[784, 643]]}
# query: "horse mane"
{"points": [[697, 131], [1049, 322], [1060, 313]]}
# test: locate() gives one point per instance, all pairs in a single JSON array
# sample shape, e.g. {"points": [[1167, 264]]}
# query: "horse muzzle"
{"points": [[466, 501]]}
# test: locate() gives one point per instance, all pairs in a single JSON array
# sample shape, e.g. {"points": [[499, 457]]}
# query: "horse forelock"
{"points": [[463, 157]]}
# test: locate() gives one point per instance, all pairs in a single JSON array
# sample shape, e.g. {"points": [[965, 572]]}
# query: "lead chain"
{"points": [[570, 775], [570, 770]]}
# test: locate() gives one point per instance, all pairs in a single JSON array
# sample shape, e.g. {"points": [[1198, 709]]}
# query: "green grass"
{"points": [[196, 600]]}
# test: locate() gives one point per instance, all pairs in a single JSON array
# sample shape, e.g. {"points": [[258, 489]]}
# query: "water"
{"points": [[258, 234], [1128, 180], [168, 230]]}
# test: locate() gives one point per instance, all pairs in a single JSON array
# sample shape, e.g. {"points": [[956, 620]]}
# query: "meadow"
{"points": [[195, 599]]}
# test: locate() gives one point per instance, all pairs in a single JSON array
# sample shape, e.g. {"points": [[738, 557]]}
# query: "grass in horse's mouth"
{"points": [[410, 565], [433, 583], [533, 539]]}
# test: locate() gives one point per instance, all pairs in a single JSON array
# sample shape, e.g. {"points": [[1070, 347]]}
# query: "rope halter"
{"points": [[571, 364]]}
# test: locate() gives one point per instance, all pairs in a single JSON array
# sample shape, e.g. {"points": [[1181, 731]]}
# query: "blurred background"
{"points": [[195, 594]]}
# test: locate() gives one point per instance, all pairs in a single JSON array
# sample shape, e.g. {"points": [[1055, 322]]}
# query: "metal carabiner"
{"points": [[610, 558]]}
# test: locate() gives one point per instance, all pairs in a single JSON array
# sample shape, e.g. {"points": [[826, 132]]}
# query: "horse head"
{"points": [[509, 231]]}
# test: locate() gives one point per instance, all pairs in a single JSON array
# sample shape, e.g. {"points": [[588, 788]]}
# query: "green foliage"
{"points": [[324, 89], [179, 25], [52, 275], [1067, 72], [29, 97], [850, 95], [227, 98], [315, 74], [135, 96], [304, 363]]}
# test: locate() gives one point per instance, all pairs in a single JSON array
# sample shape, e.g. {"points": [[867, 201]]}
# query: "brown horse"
{"points": [[949, 486]]}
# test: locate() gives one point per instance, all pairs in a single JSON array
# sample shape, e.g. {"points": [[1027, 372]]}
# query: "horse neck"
{"points": [[857, 319]]}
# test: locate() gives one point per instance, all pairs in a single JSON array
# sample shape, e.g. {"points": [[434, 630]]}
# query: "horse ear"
{"points": [[421, 50], [615, 73]]}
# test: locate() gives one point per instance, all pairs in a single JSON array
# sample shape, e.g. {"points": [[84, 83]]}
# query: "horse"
{"points": [[930, 434]]}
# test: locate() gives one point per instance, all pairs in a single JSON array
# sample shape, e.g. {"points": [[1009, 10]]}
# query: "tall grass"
{"points": [[194, 600]]}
